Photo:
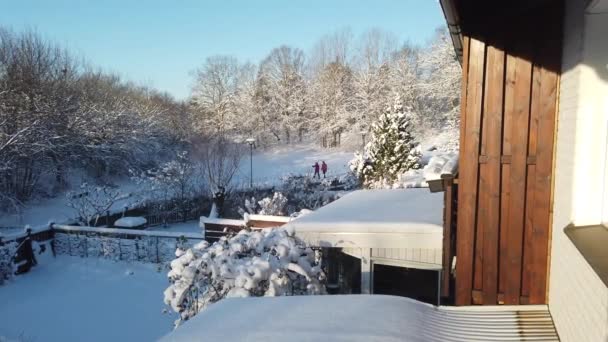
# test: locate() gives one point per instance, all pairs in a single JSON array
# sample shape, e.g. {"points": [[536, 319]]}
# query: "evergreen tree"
{"points": [[391, 151]]}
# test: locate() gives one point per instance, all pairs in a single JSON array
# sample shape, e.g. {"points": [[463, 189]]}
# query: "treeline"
{"points": [[57, 113], [341, 87]]}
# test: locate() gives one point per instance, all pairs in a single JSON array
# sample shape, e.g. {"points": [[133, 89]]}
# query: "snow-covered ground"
{"points": [[75, 299], [185, 227], [271, 164]]}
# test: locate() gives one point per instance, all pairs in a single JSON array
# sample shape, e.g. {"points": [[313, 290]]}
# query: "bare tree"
{"points": [[220, 162]]}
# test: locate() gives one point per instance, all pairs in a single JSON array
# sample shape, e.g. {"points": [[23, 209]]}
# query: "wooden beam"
{"points": [[467, 194], [489, 184], [517, 93]]}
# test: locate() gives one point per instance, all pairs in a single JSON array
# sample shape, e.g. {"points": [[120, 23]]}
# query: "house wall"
{"points": [[578, 299]]}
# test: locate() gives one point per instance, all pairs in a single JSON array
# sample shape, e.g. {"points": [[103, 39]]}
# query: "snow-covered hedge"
{"points": [[7, 267], [271, 262]]}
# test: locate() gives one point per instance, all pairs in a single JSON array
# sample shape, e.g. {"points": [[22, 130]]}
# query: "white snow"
{"points": [[183, 227], [397, 218], [360, 318], [130, 222], [350, 318], [166, 234], [85, 299], [278, 161], [440, 164], [377, 211], [270, 218]]}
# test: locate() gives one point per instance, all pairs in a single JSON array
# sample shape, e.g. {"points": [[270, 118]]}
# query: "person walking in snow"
{"points": [[316, 167], [324, 168]]}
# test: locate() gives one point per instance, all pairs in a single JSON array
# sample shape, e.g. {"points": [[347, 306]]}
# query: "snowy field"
{"points": [[74, 299], [272, 164]]}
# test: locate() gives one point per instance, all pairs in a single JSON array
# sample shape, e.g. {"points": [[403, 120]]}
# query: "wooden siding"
{"points": [[508, 115]]}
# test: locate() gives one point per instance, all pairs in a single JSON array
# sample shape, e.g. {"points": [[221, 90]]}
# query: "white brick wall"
{"points": [[578, 299]]}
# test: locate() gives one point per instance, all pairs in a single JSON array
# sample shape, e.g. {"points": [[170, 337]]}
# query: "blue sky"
{"points": [[158, 42]]}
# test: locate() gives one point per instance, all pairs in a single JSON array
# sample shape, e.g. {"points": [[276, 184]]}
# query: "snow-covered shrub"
{"points": [[92, 201], [7, 267], [274, 205], [172, 185], [391, 151], [271, 262]]}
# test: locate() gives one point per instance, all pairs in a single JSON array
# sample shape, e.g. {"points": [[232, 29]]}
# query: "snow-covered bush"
{"points": [[252, 263], [275, 205], [173, 183], [7, 267], [391, 151]]}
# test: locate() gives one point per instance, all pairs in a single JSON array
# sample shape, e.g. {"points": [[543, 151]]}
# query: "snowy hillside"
{"points": [[269, 166], [278, 161]]}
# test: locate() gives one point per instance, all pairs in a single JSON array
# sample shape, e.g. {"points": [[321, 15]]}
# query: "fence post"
{"points": [[157, 255], [119, 247], [86, 246]]}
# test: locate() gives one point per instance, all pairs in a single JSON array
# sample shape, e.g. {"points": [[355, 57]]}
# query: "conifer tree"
{"points": [[391, 151]]}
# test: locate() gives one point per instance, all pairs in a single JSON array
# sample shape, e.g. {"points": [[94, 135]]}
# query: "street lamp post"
{"points": [[363, 133], [251, 142]]}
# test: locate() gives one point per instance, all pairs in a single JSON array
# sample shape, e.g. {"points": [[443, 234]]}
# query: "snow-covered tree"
{"points": [[282, 71], [214, 94], [271, 262], [391, 151], [438, 84], [92, 201], [172, 185], [57, 113], [333, 103]]}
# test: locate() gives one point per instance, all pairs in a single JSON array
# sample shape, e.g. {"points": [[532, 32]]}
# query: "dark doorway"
{"points": [[406, 282]]}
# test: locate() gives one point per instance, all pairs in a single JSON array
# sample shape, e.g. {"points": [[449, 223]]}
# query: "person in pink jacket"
{"points": [[324, 168]]}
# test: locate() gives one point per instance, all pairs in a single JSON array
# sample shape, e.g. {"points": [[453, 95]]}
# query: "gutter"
{"points": [[453, 22]]}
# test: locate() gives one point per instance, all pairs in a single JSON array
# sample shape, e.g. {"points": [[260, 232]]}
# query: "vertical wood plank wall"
{"points": [[508, 115]]}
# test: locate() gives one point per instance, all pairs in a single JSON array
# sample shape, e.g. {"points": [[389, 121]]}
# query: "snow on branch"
{"points": [[271, 262]]}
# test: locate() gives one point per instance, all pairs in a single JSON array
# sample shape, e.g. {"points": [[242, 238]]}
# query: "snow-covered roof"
{"points": [[270, 218], [221, 221], [441, 165], [358, 318], [130, 222], [398, 218]]}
